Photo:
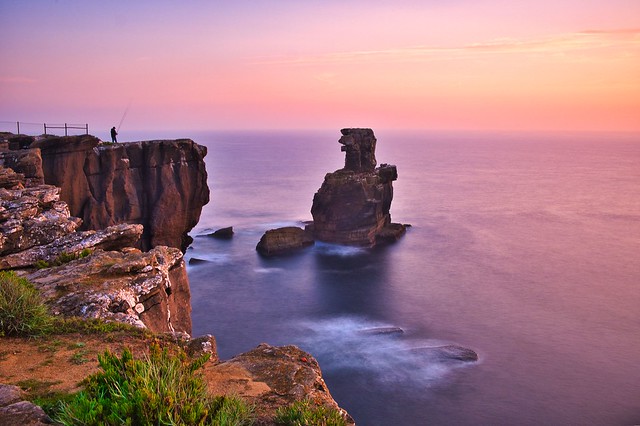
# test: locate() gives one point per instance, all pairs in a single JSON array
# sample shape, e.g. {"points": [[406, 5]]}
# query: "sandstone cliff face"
{"points": [[91, 274], [161, 185], [353, 204]]}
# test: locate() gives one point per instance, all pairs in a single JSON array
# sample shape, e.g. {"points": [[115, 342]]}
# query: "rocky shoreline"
{"points": [[75, 217]]}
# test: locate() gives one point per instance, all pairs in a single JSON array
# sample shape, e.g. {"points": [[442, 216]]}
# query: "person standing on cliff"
{"points": [[113, 135]]}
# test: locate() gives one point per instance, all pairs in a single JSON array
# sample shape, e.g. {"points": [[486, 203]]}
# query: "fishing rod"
{"points": [[124, 115]]}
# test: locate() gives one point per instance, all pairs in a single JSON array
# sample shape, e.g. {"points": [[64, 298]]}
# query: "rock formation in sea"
{"points": [[161, 185], [352, 206]]}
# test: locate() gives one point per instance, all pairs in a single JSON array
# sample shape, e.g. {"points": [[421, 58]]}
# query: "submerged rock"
{"points": [[222, 233], [448, 352], [382, 331], [283, 240], [353, 204]]}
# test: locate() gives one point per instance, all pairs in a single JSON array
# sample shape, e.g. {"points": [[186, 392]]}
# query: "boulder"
{"points": [[145, 289], [23, 413], [274, 377], [14, 411], [31, 217], [27, 162], [283, 240], [203, 345]]}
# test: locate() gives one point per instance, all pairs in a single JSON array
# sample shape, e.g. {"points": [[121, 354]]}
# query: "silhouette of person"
{"points": [[113, 135]]}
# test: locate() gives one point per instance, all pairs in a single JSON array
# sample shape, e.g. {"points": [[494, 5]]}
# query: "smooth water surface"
{"points": [[525, 248]]}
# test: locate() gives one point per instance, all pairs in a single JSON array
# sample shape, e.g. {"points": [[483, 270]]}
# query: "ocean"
{"points": [[523, 247]]}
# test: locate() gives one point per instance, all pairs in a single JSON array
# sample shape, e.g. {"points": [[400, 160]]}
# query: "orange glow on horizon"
{"points": [[416, 66]]}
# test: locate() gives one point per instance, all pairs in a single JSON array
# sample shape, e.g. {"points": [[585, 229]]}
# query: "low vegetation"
{"points": [[22, 312], [304, 413], [164, 388], [63, 258]]}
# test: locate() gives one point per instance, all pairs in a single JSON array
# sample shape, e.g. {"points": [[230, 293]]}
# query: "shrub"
{"points": [[22, 312], [161, 389], [303, 413]]}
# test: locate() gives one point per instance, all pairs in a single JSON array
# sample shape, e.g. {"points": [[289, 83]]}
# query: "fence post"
{"points": [[45, 129], [86, 128], [18, 123]]}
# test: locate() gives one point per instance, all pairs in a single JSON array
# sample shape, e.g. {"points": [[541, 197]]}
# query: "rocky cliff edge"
{"points": [[97, 274], [160, 184]]}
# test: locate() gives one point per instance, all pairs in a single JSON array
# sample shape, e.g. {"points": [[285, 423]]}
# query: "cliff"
{"points": [[95, 273], [89, 274], [161, 185], [353, 204]]}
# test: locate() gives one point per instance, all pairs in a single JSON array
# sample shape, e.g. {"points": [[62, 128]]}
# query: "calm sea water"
{"points": [[525, 248]]}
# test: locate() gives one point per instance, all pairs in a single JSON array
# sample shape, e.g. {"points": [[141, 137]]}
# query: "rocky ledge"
{"points": [[273, 377], [161, 184], [89, 274]]}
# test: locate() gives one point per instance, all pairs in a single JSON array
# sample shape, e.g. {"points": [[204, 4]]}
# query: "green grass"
{"points": [[80, 357], [304, 413], [22, 312], [62, 258], [95, 326], [162, 389]]}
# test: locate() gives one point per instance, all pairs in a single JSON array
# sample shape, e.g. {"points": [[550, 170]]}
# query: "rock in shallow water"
{"points": [[448, 352], [283, 240]]}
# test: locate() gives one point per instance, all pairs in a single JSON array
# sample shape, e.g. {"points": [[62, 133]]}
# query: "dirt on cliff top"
{"points": [[266, 377], [59, 363]]}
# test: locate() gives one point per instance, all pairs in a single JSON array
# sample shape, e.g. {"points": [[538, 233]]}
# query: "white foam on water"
{"points": [[338, 250], [268, 270], [352, 343], [217, 258]]}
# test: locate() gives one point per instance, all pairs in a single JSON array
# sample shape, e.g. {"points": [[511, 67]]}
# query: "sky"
{"points": [[541, 65]]}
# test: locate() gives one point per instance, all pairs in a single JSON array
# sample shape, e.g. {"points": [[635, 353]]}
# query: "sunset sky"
{"points": [[430, 64]]}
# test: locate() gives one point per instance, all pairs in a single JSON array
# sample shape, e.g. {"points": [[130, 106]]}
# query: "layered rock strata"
{"points": [[90, 274], [161, 185], [352, 206]]}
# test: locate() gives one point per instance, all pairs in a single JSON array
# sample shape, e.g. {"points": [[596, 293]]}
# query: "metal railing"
{"points": [[65, 126]]}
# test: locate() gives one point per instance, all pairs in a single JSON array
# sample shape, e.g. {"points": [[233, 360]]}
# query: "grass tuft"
{"points": [[304, 413], [161, 389], [22, 312]]}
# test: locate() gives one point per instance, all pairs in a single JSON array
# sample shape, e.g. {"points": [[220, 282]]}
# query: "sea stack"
{"points": [[352, 205]]}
